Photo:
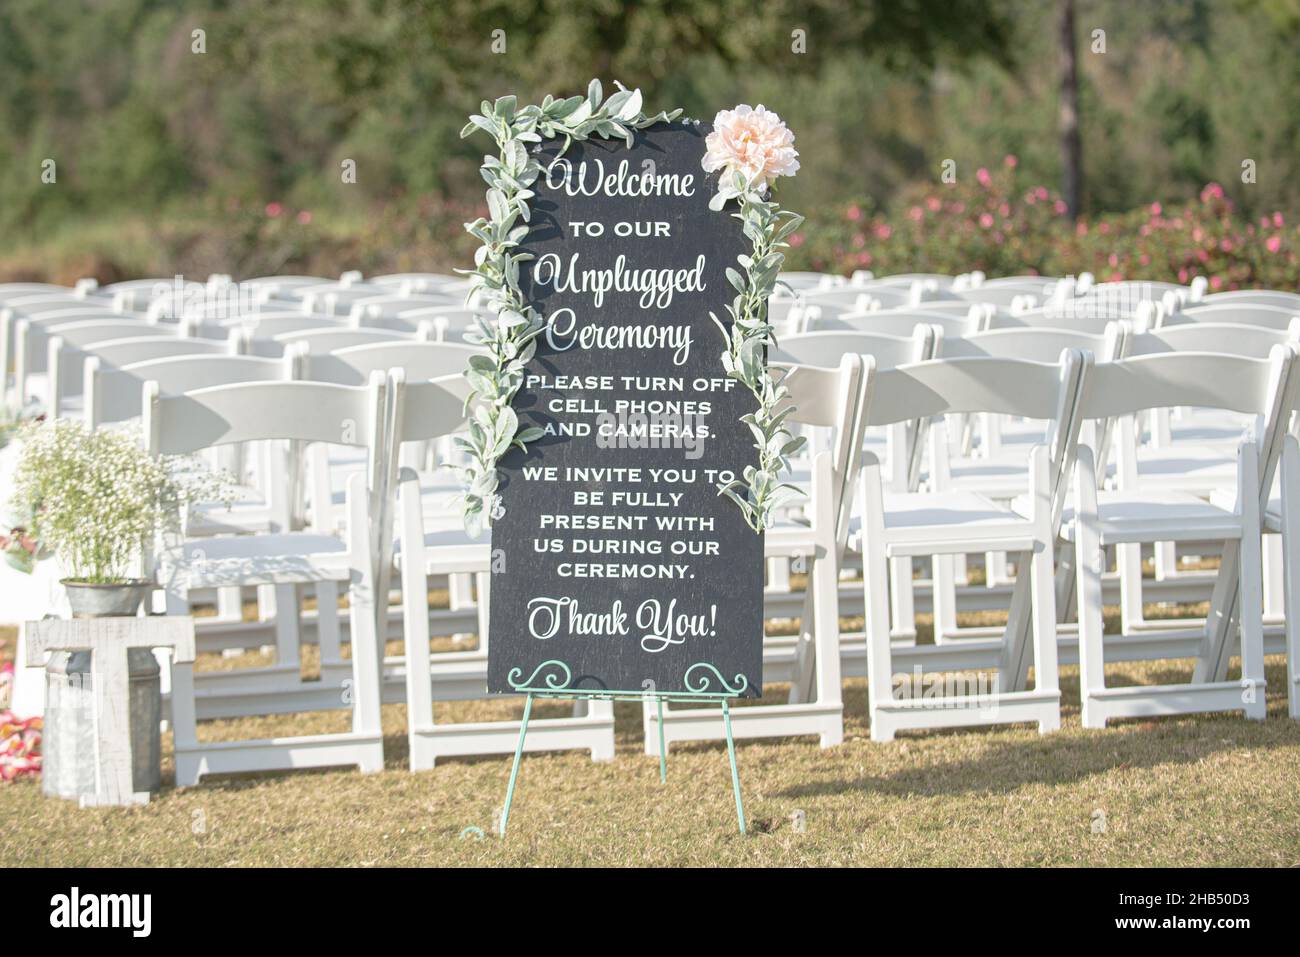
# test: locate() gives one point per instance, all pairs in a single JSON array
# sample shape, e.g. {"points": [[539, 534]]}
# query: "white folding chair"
{"points": [[998, 467], [1261, 387], [896, 447], [420, 412], [822, 398], [895, 524], [301, 412], [1283, 516]]}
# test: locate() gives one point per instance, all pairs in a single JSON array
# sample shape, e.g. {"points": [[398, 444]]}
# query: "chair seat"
{"points": [[249, 512], [1004, 476], [1271, 519], [791, 535], [1187, 468], [283, 558], [1151, 515], [1209, 426], [450, 549], [953, 520]]}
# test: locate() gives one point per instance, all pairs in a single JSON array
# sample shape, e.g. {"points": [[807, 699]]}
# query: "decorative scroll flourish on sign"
{"points": [[753, 148]]}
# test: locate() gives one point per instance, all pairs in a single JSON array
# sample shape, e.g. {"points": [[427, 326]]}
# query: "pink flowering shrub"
{"points": [[993, 222]]}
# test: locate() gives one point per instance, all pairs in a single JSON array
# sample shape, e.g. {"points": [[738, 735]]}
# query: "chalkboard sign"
{"points": [[615, 555]]}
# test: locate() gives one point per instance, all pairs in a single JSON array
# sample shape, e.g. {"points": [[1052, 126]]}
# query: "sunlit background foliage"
{"points": [[229, 160]]}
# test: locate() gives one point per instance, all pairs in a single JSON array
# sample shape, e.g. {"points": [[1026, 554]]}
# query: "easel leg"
{"points": [[514, 770], [731, 754], [663, 753]]}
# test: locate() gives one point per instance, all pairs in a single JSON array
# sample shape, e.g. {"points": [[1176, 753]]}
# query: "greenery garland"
{"points": [[510, 339], [760, 493]]}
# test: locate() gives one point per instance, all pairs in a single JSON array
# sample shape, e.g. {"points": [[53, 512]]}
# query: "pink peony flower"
{"points": [[983, 176], [1273, 243], [1156, 209], [986, 220], [853, 213], [1216, 282], [884, 231], [934, 204], [304, 217], [1277, 220], [752, 142], [1010, 160], [274, 209]]}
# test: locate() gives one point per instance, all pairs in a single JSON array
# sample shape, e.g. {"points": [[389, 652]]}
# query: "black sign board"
{"points": [[615, 555]]}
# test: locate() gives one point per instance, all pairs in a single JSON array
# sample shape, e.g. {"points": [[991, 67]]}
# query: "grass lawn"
{"points": [[1207, 790]]}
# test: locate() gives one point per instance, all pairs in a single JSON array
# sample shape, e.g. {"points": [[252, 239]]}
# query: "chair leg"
{"points": [[1089, 561], [1066, 583], [826, 636], [1128, 560], [184, 718], [1013, 666], [902, 598], [1290, 480], [366, 669], [328, 638], [1274, 578], [875, 587], [1250, 607], [1165, 555], [1043, 613], [287, 636], [803, 680], [1221, 620], [483, 583], [945, 597], [778, 575], [1291, 568]]}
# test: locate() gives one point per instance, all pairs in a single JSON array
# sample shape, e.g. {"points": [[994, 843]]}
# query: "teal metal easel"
{"points": [[556, 678]]}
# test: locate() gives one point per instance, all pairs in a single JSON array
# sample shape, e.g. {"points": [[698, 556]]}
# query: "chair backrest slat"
{"points": [[825, 349], [1211, 337], [115, 394], [419, 361], [1036, 344], [1169, 380], [979, 384], [249, 412]]}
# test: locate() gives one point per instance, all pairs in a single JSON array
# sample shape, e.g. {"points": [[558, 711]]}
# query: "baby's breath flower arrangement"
{"points": [[752, 148], [97, 499]]}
